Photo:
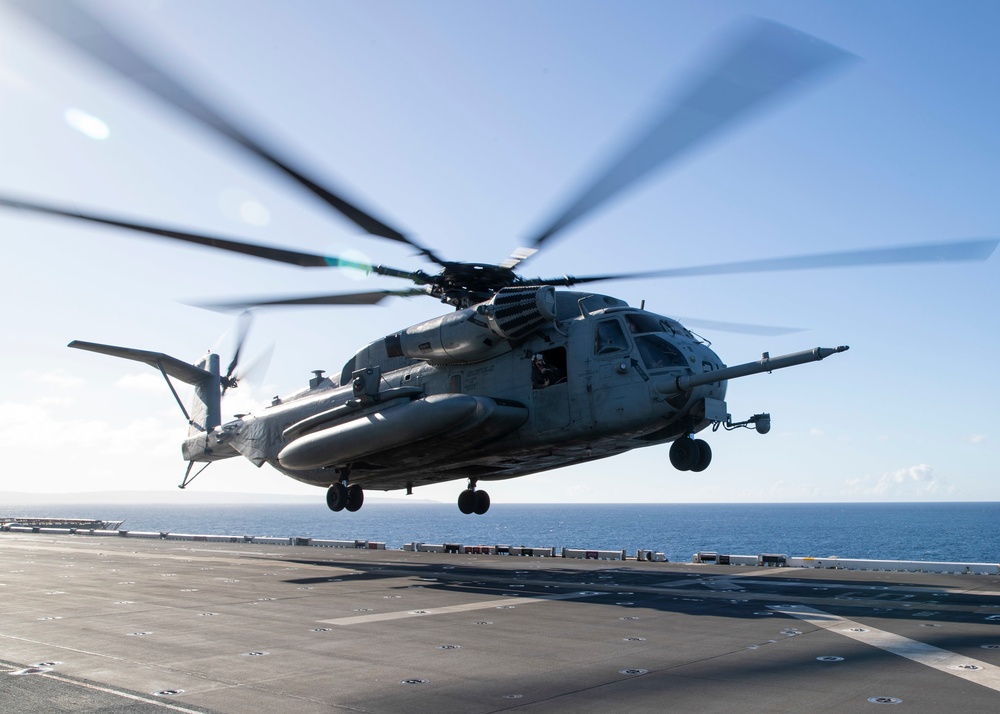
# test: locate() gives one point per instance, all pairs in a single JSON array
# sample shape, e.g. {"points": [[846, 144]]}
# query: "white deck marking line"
{"points": [[63, 647], [467, 607], [117, 693], [124, 695], [987, 675]]}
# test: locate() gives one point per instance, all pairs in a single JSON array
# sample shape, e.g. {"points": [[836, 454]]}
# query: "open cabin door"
{"points": [[550, 385]]}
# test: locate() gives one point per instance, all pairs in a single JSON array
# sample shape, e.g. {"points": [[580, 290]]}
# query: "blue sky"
{"points": [[467, 124]]}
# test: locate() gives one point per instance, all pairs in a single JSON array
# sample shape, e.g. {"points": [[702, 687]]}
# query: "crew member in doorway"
{"points": [[543, 375]]}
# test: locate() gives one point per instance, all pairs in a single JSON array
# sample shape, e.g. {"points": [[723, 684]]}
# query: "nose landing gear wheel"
{"points": [[704, 455], [690, 454], [684, 454]]}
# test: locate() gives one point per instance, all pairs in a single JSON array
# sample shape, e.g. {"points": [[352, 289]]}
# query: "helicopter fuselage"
{"points": [[583, 381], [528, 380]]}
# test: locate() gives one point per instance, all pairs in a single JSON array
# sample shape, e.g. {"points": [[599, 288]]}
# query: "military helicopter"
{"points": [[520, 377]]}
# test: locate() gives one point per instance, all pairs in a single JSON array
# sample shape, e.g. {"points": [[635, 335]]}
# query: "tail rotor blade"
{"points": [[257, 368], [245, 320]]}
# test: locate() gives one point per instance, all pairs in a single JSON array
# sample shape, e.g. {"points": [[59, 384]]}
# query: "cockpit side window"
{"points": [[548, 368], [675, 328], [640, 323], [657, 353], [609, 338]]}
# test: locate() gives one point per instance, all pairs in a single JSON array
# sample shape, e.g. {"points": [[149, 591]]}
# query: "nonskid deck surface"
{"points": [[122, 625]]}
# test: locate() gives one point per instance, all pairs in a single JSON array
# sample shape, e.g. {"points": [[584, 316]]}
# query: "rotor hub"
{"points": [[464, 284]]}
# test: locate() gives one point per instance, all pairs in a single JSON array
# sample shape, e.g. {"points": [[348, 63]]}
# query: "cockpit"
{"points": [[650, 333]]}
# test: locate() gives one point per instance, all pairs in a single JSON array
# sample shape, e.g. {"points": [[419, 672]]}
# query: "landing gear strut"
{"points": [[687, 454], [472, 501], [340, 496]]}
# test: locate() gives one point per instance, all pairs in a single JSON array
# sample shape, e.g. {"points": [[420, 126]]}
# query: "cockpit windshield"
{"points": [[643, 322], [657, 353], [609, 338], [640, 322]]}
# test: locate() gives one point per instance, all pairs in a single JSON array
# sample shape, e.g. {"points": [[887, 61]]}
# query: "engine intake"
{"points": [[514, 313], [479, 332]]}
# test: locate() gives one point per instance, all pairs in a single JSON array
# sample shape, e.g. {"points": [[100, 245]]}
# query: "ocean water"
{"points": [[967, 532]]}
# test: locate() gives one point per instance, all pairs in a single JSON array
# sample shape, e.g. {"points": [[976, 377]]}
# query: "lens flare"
{"points": [[238, 204], [87, 124]]}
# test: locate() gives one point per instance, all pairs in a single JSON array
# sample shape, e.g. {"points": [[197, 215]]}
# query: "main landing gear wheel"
{"points": [[336, 497], [470, 501], [690, 454], [340, 496], [355, 498]]}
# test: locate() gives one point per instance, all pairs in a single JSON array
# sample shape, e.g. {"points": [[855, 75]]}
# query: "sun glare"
{"points": [[87, 124], [239, 205]]}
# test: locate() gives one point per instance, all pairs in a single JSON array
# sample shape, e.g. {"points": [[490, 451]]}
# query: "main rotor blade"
{"points": [[764, 62], [371, 298], [740, 327], [89, 35], [978, 249], [281, 255]]}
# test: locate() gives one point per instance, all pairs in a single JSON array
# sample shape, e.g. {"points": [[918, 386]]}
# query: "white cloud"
{"points": [[579, 490], [58, 377], [13, 415], [61, 402], [144, 382], [977, 438], [30, 430], [142, 436], [919, 481], [920, 474]]}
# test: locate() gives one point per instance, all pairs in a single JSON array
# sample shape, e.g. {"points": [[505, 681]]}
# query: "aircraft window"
{"points": [[657, 353], [639, 323], [610, 337], [674, 327], [548, 368]]}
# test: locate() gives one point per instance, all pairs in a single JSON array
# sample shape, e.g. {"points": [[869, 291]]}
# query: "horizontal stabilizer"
{"points": [[176, 368]]}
